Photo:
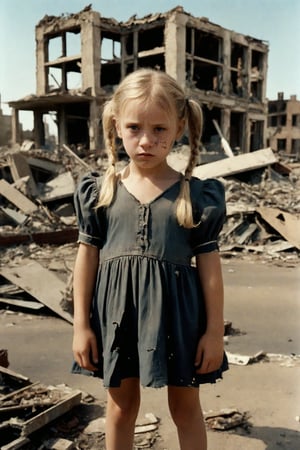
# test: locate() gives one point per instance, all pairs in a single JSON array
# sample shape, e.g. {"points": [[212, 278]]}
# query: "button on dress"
{"points": [[148, 311]]}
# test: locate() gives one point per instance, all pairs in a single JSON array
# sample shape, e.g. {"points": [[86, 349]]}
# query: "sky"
{"points": [[275, 21]]}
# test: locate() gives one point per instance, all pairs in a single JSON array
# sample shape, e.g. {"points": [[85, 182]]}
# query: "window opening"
{"points": [[210, 137], [296, 146], [204, 65], [281, 144], [256, 136], [237, 70], [110, 61], [73, 43], [54, 79], [151, 38], [295, 120], [236, 132], [55, 47], [256, 75]]}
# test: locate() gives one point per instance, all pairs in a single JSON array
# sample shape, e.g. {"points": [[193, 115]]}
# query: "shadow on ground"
{"points": [[273, 437]]}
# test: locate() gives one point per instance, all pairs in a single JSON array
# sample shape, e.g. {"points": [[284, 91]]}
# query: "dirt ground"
{"points": [[262, 300]]}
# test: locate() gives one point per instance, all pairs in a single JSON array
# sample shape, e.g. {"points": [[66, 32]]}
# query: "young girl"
{"points": [[143, 314]]}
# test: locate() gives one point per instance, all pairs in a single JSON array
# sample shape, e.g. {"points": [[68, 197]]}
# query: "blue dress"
{"points": [[148, 311]]}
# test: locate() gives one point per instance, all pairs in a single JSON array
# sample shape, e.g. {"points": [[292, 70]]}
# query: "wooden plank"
{"points": [[42, 419], [236, 164], [17, 198], [13, 374], [17, 392], [78, 159], [17, 443], [286, 224], [39, 282], [26, 304]]}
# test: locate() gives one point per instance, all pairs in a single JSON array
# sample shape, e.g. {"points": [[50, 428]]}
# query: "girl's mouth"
{"points": [[144, 155]]}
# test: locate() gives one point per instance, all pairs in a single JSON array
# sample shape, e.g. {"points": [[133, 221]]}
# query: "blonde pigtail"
{"points": [[184, 209], [108, 186]]}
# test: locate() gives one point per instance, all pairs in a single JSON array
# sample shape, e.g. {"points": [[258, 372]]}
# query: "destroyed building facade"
{"points": [[224, 70], [284, 124], [5, 127]]}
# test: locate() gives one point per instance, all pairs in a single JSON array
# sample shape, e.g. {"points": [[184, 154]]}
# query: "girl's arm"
{"points": [[211, 347], [85, 273]]}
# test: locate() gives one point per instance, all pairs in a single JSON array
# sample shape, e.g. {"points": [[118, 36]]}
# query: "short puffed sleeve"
{"points": [[209, 208], [91, 221]]}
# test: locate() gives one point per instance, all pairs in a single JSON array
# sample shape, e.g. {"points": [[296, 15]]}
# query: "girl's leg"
{"points": [[122, 409], [185, 409]]}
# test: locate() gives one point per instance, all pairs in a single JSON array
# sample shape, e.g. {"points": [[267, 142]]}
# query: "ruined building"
{"points": [[80, 58], [284, 124], [5, 127]]}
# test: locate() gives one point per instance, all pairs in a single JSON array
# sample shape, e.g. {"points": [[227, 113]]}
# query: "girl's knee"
{"points": [[126, 413], [123, 404], [184, 406]]}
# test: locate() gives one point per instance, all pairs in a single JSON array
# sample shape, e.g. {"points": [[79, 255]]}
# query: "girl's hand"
{"points": [[85, 348], [209, 355]]}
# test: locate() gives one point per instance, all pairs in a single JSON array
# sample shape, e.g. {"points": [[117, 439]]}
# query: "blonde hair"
{"points": [[146, 85]]}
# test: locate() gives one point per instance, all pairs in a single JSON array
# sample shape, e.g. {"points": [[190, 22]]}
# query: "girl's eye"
{"points": [[160, 129], [133, 127]]}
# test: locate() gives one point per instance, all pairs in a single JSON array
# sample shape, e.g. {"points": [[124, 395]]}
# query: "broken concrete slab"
{"points": [[40, 283], [244, 360], [17, 198], [288, 225], [59, 187], [59, 444], [226, 419], [45, 165], [237, 164], [96, 426], [14, 215], [19, 169]]}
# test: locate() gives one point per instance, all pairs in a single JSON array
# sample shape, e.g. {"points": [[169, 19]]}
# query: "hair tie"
{"points": [[187, 102]]}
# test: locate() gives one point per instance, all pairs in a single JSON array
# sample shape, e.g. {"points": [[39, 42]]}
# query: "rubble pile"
{"points": [[263, 200], [263, 218], [226, 419], [73, 417]]}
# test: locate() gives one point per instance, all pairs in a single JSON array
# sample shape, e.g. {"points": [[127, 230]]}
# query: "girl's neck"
{"points": [[162, 172], [147, 185]]}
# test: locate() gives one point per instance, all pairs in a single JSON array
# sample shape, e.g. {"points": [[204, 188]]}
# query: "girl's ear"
{"points": [[117, 127], [180, 129]]}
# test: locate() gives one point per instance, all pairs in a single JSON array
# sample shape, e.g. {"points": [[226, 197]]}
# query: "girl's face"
{"points": [[148, 133]]}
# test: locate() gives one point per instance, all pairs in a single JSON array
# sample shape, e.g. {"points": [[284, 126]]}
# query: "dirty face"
{"points": [[148, 132]]}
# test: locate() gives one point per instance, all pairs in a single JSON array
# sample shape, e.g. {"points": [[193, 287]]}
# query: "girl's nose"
{"points": [[147, 139]]}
